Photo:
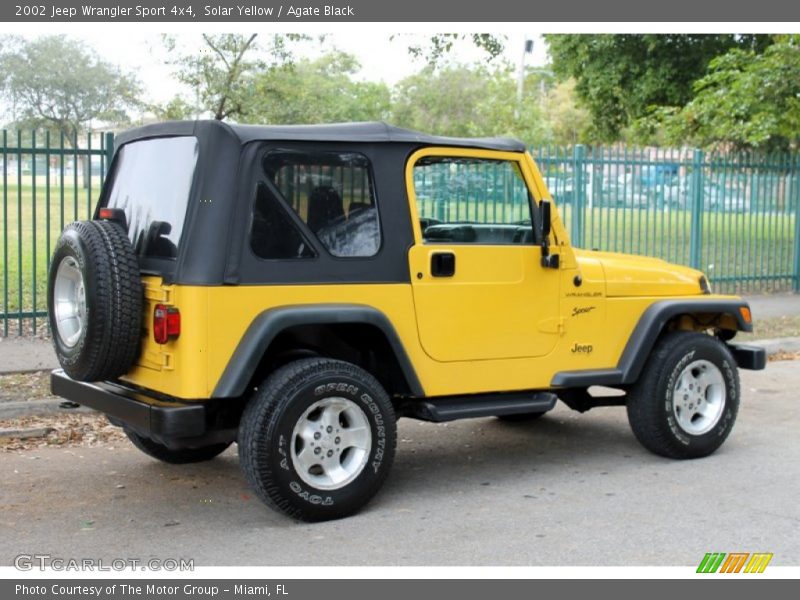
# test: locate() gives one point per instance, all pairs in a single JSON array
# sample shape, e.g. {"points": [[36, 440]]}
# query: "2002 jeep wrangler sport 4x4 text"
{"points": [[297, 289]]}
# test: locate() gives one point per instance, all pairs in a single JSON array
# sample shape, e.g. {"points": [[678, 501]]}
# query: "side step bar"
{"points": [[451, 408]]}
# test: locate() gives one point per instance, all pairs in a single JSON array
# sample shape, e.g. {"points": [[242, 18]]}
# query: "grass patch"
{"points": [[31, 221]]}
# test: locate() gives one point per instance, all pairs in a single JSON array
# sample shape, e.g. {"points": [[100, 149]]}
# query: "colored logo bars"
{"points": [[736, 562]]}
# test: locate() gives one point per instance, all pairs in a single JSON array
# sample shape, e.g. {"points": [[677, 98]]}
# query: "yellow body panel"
{"points": [[502, 323], [220, 316], [499, 304]]}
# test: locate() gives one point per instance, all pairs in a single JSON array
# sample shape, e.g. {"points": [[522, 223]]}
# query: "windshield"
{"points": [[151, 183]]}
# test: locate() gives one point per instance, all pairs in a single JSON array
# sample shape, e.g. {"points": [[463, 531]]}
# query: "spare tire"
{"points": [[94, 298]]}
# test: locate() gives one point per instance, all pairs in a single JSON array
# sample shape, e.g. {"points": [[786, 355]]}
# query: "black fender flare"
{"points": [[644, 337], [268, 324]]}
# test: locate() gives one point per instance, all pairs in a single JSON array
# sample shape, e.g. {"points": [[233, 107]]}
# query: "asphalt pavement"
{"points": [[568, 489]]}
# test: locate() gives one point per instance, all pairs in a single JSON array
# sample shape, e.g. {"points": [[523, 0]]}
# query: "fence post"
{"points": [[578, 195], [796, 196], [696, 237]]}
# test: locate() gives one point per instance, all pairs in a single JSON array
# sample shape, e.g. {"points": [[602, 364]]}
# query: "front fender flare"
{"points": [[644, 337]]}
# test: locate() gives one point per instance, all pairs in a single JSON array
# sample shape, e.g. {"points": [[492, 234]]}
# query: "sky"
{"points": [[381, 59]]}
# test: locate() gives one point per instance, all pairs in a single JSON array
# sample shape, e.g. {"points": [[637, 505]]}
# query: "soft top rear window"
{"points": [[151, 183]]}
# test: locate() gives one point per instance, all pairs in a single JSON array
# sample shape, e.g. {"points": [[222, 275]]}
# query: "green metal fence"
{"points": [[48, 182], [735, 216]]}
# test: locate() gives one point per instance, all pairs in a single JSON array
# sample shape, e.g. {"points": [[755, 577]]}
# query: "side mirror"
{"points": [[546, 219], [549, 261]]}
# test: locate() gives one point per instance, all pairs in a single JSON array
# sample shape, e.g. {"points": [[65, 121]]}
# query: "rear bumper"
{"points": [[156, 418], [749, 357]]}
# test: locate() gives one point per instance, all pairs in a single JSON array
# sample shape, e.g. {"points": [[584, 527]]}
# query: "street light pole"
{"points": [[527, 49]]}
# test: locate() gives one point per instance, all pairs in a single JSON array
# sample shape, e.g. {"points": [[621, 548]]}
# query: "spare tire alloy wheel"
{"points": [[69, 302], [317, 439], [95, 301]]}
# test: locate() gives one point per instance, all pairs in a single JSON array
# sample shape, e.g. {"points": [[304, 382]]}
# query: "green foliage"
{"points": [[318, 91], [438, 46], [568, 123], [223, 73], [747, 100], [176, 109], [467, 101], [620, 78], [55, 83]]}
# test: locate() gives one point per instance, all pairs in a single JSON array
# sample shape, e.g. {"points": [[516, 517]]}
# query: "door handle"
{"points": [[443, 264]]}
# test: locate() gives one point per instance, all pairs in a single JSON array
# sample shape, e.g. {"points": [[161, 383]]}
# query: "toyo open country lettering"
{"points": [[357, 274]]}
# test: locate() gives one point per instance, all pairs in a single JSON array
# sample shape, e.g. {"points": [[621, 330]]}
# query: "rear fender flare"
{"points": [[270, 323]]}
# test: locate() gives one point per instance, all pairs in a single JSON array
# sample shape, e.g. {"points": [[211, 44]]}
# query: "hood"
{"points": [[631, 275]]}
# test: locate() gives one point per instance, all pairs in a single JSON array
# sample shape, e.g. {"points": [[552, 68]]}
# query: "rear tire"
{"points": [[317, 439], [686, 400], [182, 456], [94, 301]]}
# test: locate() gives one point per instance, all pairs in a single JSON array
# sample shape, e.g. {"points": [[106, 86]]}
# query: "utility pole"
{"points": [[527, 49]]}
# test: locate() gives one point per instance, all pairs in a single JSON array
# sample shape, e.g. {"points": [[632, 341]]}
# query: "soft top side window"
{"points": [[472, 201], [273, 235], [333, 193]]}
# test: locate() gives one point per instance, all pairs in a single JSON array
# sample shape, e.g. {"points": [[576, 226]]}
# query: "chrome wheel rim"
{"points": [[699, 397], [331, 443], [69, 302]]}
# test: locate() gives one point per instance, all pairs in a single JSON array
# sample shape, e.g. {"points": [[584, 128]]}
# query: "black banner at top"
{"points": [[443, 11]]}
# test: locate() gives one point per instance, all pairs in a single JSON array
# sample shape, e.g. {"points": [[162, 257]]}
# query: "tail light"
{"points": [[114, 214], [166, 323]]}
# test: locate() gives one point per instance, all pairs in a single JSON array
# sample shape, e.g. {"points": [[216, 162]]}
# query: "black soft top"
{"points": [[368, 132]]}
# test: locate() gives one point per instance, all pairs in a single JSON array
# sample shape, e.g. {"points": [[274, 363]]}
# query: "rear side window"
{"points": [[152, 182], [333, 194], [273, 234]]}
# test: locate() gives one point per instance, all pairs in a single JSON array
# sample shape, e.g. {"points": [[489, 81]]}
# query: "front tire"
{"points": [[686, 400], [317, 439]]}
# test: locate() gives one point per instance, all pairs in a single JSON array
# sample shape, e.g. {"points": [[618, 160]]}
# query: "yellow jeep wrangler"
{"points": [[298, 289]]}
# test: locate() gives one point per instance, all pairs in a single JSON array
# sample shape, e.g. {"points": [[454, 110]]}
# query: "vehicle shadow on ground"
{"points": [[494, 451], [434, 459]]}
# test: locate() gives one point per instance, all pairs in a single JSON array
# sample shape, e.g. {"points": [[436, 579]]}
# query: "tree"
{"points": [[435, 48], [318, 91], [56, 83], [620, 78], [222, 73], [467, 101], [567, 122], [746, 100], [176, 109]]}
